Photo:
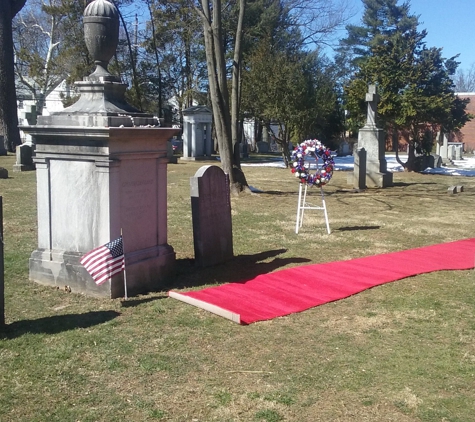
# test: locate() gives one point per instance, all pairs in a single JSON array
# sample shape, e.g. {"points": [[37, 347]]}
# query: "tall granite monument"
{"points": [[101, 172], [373, 140]]}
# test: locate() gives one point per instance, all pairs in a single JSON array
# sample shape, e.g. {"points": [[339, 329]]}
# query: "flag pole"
{"points": [[125, 272]]}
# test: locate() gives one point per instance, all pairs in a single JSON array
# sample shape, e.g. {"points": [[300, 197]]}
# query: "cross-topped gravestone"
{"points": [[372, 98], [373, 140]]}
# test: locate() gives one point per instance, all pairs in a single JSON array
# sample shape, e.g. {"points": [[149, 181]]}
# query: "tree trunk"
{"points": [[236, 84], [395, 141], [157, 60], [219, 94], [8, 104], [411, 157]]}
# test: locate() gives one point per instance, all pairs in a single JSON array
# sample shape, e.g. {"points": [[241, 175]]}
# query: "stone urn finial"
{"points": [[101, 33]]}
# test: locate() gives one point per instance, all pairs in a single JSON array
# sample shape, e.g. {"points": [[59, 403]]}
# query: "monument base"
{"points": [[146, 271], [94, 185], [380, 180], [200, 158], [23, 167]]}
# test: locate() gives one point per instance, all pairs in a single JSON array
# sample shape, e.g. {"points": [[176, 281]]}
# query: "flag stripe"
{"points": [[105, 261], [96, 266]]}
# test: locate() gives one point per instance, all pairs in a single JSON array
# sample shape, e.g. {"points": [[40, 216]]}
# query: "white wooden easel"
{"points": [[303, 205]]}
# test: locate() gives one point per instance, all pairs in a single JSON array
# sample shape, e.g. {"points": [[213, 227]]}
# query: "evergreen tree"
{"points": [[414, 82]]}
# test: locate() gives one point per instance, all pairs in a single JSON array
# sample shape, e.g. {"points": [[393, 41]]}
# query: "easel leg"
{"points": [[325, 211], [304, 201], [297, 224]]}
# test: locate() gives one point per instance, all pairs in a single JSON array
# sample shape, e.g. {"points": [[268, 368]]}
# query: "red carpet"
{"points": [[296, 289]]}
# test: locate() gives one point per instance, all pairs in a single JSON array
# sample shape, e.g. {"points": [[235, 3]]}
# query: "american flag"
{"points": [[105, 261]]}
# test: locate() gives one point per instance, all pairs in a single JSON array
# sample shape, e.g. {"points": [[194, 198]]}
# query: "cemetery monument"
{"points": [[101, 173], [373, 140]]}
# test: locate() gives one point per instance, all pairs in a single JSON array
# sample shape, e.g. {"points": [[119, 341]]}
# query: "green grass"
{"points": [[404, 351]]}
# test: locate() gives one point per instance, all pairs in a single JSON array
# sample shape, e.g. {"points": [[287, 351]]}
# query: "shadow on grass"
{"points": [[357, 228], [132, 302], [238, 270], [57, 323], [404, 184]]}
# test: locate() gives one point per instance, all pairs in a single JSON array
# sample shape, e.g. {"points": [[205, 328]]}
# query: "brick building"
{"points": [[467, 133]]}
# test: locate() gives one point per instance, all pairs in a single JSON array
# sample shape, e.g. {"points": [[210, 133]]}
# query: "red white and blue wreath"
{"points": [[312, 148]]}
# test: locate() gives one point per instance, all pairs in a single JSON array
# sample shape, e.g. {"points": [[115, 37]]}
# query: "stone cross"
{"points": [[372, 99]]}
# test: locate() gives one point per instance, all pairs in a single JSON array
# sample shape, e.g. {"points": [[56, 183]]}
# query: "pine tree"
{"points": [[414, 82]]}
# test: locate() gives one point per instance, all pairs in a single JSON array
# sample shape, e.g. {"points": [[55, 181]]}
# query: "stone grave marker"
{"points": [[360, 169], [24, 158], [262, 147], [3, 150], [211, 213], [373, 140]]}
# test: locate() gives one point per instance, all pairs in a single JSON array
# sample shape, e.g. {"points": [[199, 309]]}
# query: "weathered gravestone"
{"points": [[211, 211], [262, 147], [3, 173], [358, 177], [372, 139], [24, 158], [3, 151]]}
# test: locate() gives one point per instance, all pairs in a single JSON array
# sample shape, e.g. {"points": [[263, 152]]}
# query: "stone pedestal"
{"points": [[93, 183]]}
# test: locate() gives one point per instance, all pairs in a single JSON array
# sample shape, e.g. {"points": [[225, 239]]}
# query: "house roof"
{"points": [[199, 109]]}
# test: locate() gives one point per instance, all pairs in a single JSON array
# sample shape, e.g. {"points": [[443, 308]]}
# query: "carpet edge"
{"points": [[206, 306]]}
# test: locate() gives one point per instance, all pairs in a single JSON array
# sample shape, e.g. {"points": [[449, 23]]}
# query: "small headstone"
{"points": [[3, 173], [211, 214], [3, 150], [262, 147], [451, 152], [437, 161], [344, 149], [243, 150], [358, 177], [459, 188], [24, 158], [171, 158], [452, 190]]}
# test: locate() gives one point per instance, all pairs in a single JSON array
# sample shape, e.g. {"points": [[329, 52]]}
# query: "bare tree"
{"points": [[8, 107], [317, 20], [36, 42], [464, 80]]}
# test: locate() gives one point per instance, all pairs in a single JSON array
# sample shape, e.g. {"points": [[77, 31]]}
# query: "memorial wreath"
{"points": [[312, 147]]}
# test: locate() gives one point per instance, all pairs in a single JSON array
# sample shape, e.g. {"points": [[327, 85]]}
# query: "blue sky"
{"points": [[449, 24]]}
